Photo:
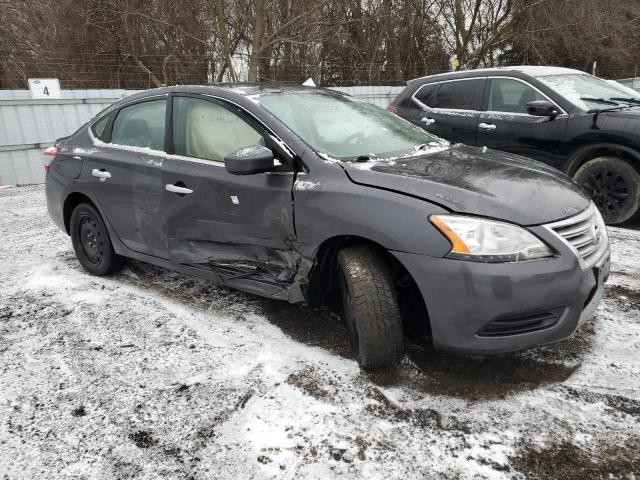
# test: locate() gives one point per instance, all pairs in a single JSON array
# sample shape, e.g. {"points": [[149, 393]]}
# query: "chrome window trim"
{"points": [[129, 148], [431, 109], [214, 163], [444, 110], [202, 161]]}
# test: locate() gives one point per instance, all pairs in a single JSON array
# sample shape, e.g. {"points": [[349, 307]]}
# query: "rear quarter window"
{"points": [[99, 128], [426, 94]]}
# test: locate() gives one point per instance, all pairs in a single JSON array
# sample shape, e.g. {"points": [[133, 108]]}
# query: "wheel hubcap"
{"points": [[608, 189], [90, 239]]}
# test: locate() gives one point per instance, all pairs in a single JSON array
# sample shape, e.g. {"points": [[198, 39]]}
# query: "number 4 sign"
{"points": [[44, 88]]}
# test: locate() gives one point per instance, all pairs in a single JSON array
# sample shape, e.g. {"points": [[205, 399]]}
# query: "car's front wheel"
{"points": [[614, 186], [370, 307], [91, 241]]}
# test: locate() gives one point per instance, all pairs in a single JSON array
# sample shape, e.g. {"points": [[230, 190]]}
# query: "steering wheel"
{"points": [[355, 138]]}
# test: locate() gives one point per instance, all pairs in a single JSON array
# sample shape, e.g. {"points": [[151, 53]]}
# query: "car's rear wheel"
{"points": [[91, 241], [370, 307], [614, 186]]}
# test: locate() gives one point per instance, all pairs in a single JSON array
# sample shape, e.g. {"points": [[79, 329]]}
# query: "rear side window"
{"points": [[207, 130], [459, 94], [427, 94], [507, 95], [140, 125]]}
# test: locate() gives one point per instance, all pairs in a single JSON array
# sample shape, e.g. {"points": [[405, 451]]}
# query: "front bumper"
{"points": [[479, 307]]}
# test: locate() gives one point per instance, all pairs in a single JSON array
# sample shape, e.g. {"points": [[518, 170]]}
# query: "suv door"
{"points": [[449, 109], [504, 123], [216, 220], [126, 176]]}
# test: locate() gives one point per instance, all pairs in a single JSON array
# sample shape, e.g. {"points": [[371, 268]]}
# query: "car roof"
{"points": [[248, 89], [531, 70], [244, 89], [232, 89]]}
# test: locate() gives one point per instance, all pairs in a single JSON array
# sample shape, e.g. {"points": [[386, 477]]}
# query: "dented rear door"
{"points": [[217, 220]]}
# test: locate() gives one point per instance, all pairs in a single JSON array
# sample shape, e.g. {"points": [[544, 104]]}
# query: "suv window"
{"points": [[427, 94], [207, 130], [507, 95], [140, 125], [459, 94]]}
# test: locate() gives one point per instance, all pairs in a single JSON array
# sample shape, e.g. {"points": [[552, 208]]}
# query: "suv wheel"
{"points": [[91, 241], [370, 308], [614, 186]]}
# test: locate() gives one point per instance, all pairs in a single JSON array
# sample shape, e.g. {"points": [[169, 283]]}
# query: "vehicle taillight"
{"points": [[49, 152], [393, 109]]}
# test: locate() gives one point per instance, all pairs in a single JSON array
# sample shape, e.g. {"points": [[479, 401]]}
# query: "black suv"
{"points": [[582, 125]]}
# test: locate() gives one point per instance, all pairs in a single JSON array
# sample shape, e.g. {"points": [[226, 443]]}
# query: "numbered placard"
{"points": [[44, 88]]}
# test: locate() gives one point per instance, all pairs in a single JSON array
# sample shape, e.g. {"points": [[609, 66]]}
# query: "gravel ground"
{"points": [[154, 374]]}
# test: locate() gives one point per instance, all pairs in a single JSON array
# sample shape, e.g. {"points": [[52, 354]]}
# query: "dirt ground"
{"points": [[155, 374]]}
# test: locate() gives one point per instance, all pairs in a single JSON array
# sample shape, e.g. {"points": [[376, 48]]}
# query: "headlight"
{"points": [[482, 240]]}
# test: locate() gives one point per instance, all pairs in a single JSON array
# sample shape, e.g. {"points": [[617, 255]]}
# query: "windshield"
{"points": [[344, 128], [589, 92]]}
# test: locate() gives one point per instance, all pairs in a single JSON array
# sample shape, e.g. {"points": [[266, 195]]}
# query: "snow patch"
{"points": [[144, 150], [83, 151], [249, 151], [306, 185]]}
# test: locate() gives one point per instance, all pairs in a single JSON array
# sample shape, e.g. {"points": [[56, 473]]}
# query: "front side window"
{"points": [[507, 95], [459, 95], [140, 125], [344, 128], [207, 130]]}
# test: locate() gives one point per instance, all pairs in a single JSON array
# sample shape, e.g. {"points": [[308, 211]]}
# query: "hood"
{"points": [[616, 121], [465, 179], [631, 113]]}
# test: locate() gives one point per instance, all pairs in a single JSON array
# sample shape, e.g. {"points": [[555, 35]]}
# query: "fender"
{"points": [[329, 205]]}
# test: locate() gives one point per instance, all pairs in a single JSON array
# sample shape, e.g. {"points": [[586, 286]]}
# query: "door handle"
{"points": [[487, 126], [428, 121], [176, 189], [101, 174]]}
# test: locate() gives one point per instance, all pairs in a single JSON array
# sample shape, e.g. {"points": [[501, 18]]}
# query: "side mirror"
{"points": [[542, 108], [250, 160]]}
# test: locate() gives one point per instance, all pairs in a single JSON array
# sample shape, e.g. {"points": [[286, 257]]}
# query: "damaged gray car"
{"points": [[310, 196]]}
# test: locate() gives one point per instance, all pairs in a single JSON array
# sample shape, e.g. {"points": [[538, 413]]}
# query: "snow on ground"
{"points": [[155, 374]]}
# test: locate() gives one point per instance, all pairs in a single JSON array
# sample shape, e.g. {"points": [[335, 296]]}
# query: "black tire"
{"points": [[614, 186], [370, 308], [91, 242]]}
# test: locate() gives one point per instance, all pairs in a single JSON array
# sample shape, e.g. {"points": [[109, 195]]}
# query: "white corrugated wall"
{"points": [[27, 126]]}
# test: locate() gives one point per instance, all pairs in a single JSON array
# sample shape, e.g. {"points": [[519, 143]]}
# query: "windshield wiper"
{"points": [[626, 99], [599, 100]]}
